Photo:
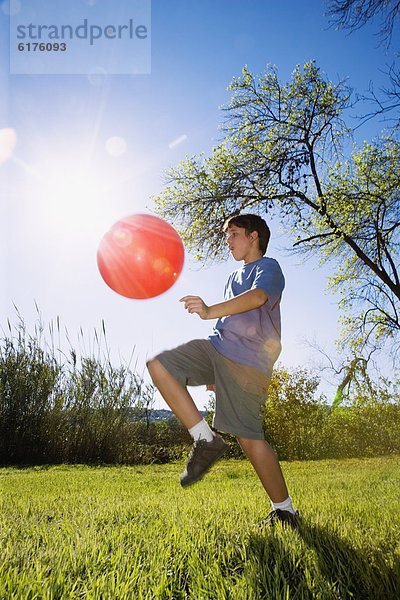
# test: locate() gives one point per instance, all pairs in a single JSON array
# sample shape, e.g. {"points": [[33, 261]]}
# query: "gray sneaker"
{"points": [[283, 516], [202, 456]]}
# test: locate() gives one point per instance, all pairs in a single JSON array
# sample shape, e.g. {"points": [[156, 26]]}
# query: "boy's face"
{"points": [[242, 246]]}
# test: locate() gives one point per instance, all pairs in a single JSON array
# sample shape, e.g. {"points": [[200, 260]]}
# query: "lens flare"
{"points": [[8, 141], [116, 146]]}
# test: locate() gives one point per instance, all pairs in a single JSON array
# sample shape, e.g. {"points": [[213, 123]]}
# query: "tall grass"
{"points": [[133, 533], [63, 407]]}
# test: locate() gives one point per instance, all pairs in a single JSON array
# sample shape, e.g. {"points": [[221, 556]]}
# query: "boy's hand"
{"points": [[194, 304]]}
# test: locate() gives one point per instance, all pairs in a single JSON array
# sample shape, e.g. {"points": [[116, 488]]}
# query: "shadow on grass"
{"points": [[365, 573], [324, 566], [276, 573]]}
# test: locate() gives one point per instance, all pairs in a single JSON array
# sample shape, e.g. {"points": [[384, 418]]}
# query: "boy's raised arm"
{"points": [[239, 304]]}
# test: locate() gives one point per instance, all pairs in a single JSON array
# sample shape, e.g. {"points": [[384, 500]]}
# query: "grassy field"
{"points": [[133, 533]]}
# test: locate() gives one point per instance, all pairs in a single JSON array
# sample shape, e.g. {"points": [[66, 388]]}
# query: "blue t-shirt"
{"points": [[253, 337]]}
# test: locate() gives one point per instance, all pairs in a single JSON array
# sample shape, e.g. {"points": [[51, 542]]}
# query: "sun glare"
{"points": [[75, 205], [72, 196]]}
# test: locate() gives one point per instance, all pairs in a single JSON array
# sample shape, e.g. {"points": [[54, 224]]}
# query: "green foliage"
{"points": [[132, 533], [294, 417], [370, 183], [369, 430], [97, 399], [155, 442], [29, 379], [370, 423], [299, 425]]}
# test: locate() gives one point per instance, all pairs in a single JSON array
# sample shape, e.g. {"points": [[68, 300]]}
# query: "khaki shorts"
{"points": [[240, 390]]}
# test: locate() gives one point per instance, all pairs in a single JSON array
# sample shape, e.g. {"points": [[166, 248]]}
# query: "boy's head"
{"points": [[251, 223]]}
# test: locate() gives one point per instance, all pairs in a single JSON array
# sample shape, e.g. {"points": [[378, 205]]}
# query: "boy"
{"points": [[235, 361]]}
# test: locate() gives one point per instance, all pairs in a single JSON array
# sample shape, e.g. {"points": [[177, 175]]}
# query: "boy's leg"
{"points": [[175, 395], [204, 453], [266, 465]]}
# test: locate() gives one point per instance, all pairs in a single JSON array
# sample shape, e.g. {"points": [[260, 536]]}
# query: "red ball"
{"points": [[140, 257]]}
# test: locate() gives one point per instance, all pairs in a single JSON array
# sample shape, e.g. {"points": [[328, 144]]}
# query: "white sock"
{"points": [[201, 431], [285, 505]]}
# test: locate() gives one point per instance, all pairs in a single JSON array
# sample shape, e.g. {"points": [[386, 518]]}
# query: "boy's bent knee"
{"points": [[161, 376], [157, 370], [153, 366], [150, 362]]}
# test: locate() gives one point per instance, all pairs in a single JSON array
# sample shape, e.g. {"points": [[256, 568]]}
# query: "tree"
{"points": [[370, 182], [282, 155], [348, 372], [353, 14]]}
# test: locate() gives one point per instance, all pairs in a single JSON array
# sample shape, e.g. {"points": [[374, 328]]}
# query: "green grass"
{"points": [[133, 533]]}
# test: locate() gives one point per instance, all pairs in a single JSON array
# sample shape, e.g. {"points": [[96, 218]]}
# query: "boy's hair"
{"points": [[251, 223]]}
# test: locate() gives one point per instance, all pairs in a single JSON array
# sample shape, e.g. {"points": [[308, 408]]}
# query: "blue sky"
{"points": [[92, 149]]}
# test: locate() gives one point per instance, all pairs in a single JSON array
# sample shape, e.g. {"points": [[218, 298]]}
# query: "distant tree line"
{"points": [[87, 411]]}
